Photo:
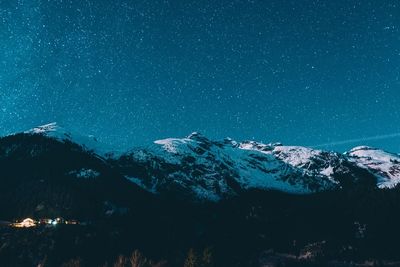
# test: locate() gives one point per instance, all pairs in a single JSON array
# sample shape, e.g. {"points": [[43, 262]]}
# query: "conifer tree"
{"points": [[137, 259], [191, 259]]}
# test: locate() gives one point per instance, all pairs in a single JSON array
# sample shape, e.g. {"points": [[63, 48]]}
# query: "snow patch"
{"points": [[85, 174], [384, 165], [296, 155]]}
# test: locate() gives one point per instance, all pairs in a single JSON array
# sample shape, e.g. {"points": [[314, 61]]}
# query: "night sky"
{"points": [[129, 72]]}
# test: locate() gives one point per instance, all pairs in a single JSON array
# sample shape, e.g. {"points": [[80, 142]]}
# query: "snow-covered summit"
{"points": [[307, 160], [47, 128], [384, 165], [196, 136], [53, 130], [211, 169]]}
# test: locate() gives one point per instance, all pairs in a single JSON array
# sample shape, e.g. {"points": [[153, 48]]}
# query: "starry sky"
{"points": [[303, 72]]}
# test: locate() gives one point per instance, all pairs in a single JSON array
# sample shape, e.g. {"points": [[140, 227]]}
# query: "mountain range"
{"points": [[240, 198], [208, 170]]}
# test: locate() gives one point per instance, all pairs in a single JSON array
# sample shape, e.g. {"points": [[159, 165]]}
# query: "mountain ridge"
{"points": [[205, 169]]}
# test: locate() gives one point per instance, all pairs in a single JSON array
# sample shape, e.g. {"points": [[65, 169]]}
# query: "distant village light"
{"points": [[28, 222]]}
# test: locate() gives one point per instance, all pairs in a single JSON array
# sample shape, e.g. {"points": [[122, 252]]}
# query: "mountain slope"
{"points": [[53, 130], [216, 169], [41, 174], [383, 165], [198, 168]]}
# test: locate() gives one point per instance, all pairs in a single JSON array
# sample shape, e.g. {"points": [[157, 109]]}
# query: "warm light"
{"points": [[28, 222]]}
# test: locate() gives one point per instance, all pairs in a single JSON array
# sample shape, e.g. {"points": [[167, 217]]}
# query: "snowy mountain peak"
{"points": [[384, 165], [171, 145], [213, 169], [50, 127], [252, 145], [53, 130], [372, 154], [196, 136], [360, 148], [296, 155]]}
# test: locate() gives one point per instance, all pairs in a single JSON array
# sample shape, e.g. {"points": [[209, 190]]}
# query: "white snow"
{"points": [[328, 171], [251, 164], [296, 155], [384, 165], [256, 165], [85, 173], [173, 145], [47, 128], [90, 143]]}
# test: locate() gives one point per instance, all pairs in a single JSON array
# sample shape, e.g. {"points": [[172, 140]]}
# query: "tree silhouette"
{"points": [[191, 259]]}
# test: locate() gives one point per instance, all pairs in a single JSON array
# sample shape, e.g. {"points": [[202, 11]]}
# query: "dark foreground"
{"points": [[257, 229]]}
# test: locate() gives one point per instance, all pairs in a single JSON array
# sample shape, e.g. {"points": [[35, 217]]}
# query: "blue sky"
{"points": [[129, 72]]}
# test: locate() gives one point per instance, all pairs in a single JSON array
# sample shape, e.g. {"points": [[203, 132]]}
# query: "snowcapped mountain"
{"points": [[53, 130], [177, 190], [204, 169], [214, 169], [383, 165]]}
